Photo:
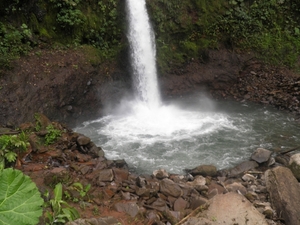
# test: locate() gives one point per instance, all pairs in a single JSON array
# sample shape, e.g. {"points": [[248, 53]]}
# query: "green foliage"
{"points": [[14, 42], [62, 212], [10, 145], [270, 28], [68, 16], [52, 134], [20, 200], [81, 189]]}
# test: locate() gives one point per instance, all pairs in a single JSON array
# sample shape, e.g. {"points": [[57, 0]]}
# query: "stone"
{"points": [[261, 155], [248, 177], [198, 181], [109, 220], [105, 175], [242, 167], [197, 201], [294, 165], [180, 204], [131, 208], [160, 174], [120, 174], [204, 170], [284, 193], [168, 187], [236, 187], [83, 140], [230, 208]]}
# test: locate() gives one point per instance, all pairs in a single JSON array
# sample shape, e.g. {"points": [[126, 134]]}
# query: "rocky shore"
{"points": [[262, 190]]}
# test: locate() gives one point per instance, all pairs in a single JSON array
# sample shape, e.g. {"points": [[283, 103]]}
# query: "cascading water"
{"points": [[183, 133], [141, 38]]}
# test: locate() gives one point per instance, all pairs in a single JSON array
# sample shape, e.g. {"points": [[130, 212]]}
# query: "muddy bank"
{"points": [[68, 86]]}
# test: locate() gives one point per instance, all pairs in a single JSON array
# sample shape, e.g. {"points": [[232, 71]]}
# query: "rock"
{"points": [[204, 170], [242, 167], [230, 208], [248, 177], [83, 140], [261, 155], [180, 204], [168, 187], [236, 187], [105, 175], [131, 208], [197, 201], [284, 194], [198, 181], [294, 165], [95, 221], [160, 174]]}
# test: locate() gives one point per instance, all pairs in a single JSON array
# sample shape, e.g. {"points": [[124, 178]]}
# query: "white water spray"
{"points": [[150, 135], [143, 53]]}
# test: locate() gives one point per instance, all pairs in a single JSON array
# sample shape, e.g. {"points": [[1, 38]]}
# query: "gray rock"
{"points": [[236, 187], [95, 221], [160, 174], [284, 194], [230, 208], [168, 187], [204, 170], [83, 140], [180, 204], [242, 167], [294, 165], [261, 155], [105, 175], [131, 208]]}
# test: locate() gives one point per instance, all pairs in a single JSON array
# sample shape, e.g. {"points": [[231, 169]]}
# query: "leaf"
{"points": [[11, 156], [20, 200]]}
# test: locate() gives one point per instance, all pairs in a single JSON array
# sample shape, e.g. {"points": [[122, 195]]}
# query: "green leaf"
{"points": [[11, 156], [20, 200]]}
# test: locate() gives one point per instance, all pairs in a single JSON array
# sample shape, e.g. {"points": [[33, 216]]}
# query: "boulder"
{"points": [[261, 155], [131, 208], [294, 165], [242, 167], [284, 194], [169, 187], [83, 140], [204, 170], [230, 208]]}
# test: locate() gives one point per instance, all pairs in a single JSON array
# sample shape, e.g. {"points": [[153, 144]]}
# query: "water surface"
{"points": [[189, 132]]}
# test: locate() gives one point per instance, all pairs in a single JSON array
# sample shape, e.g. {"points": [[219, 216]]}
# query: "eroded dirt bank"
{"points": [[68, 86]]}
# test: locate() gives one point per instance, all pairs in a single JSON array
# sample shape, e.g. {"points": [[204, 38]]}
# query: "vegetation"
{"points": [[10, 147], [184, 29], [62, 212], [20, 200]]}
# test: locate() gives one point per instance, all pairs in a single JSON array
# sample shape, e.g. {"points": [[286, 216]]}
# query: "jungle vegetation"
{"points": [[184, 30]]}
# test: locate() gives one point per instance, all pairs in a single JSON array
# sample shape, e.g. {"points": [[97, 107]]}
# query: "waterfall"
{"points": [[143, 53]]}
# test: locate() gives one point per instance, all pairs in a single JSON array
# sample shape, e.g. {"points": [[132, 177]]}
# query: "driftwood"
{"points": [[288, 150]]}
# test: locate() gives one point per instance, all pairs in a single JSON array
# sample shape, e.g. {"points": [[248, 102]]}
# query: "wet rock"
{"points": [[83, 140], [294, 165], [160, 174], [131, 208], [284, 194], [168, 187], [241, 168], [261, 155], [204, 170]]}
